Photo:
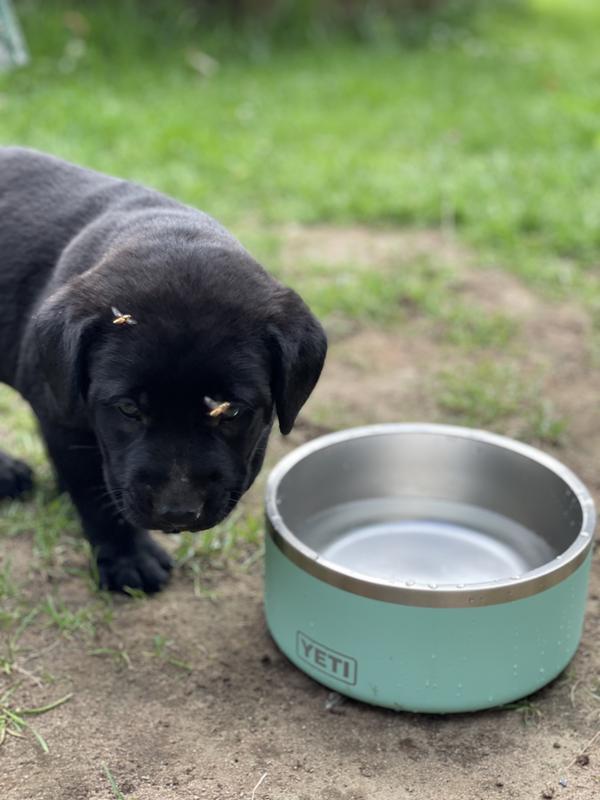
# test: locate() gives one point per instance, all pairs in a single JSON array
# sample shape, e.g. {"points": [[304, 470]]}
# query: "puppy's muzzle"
{"points": [[174, 518]]}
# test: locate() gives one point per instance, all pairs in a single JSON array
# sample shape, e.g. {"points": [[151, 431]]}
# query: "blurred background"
{"points": [[477, 115]]}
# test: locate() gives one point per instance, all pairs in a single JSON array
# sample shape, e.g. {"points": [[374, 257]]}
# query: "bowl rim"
{"points": [[416, 594]]}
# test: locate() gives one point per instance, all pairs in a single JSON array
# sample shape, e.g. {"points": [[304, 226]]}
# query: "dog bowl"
{"points": [[426, 567]]}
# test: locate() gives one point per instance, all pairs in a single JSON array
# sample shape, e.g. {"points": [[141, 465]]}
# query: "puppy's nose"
{"points": [[179, 517]]}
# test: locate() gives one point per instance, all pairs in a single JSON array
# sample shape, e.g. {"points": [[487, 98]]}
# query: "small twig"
{"points": [[262, 777], [573, 691], [34, 678], [43, 651], [587, 747]]}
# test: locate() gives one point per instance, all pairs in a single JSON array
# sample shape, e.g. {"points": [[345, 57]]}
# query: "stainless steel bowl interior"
{"points": [[430, 506]]}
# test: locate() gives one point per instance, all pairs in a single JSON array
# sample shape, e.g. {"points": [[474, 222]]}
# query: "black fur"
{"points": [[121, 407]]}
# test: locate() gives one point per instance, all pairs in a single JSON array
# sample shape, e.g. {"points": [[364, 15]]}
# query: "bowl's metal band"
{"points": [[426, 597], [469, 596]]}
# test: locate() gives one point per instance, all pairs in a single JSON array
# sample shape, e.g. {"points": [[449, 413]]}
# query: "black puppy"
{"points": [[153, 350]]}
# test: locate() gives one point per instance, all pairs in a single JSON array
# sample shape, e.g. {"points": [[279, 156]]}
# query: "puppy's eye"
{"points": [[129, 409]]}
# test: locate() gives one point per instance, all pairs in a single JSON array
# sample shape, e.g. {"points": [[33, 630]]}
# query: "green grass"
{"points": [[118, 655], [66, 619], [490, 125], [529, 710], [113, 784], [486, 124], [14, 720], [397, 293], [237, 539], [499, 396]]}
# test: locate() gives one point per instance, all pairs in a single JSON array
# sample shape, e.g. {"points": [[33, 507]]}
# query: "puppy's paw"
{"points": [[16, 478], [146, 567]]}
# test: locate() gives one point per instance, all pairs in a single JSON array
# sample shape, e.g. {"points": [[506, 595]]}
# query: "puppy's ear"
{"points": [[298, 346], [63, 335]]}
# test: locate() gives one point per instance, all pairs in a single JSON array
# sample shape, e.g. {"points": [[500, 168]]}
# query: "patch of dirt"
{"points": [[360, 244], [494, 290], [243, 712]]}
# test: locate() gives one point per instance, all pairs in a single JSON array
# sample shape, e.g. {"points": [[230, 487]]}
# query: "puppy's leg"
{"points": [[15, 477], [126, 556]]}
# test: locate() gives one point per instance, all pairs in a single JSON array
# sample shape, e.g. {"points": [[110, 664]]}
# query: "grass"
{"points": [[529, 710], [118, 655], [397, 292], [14, 720], [113, 784], [67, 620], [162, 649], [488, 126], [496, 395]]}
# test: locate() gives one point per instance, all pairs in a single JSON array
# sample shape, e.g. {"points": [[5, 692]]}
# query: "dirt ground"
{"points": [[239, 721]]}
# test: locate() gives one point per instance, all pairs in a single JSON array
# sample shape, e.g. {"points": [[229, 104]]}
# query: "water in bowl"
{"points": [[432, 542]]}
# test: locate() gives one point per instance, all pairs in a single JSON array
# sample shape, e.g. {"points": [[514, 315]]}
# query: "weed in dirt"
{"points": [[14, 722], [530, 711], [545, 425], [56, 531], [469, 326], [397, 293], [19, 619], [162, 649], [136, 594], [384, 295], [67, 620], [49, 520], [113, 784], [8, 587], [236, 539], [488, 394], [480, 395], [119, 656]]}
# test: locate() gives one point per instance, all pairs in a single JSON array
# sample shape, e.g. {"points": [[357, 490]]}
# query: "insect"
{"points": [[122, 319], [218, 409]]}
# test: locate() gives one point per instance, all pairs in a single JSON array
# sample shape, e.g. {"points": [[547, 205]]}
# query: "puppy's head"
{"points": [[182, 401]]}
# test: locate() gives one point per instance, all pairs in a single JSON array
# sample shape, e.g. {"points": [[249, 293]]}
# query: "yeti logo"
{"points": [[326, 660]]}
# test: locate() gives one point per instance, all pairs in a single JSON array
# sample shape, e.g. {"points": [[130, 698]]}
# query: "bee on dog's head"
{"points": [[122, 319], [218, 409]]}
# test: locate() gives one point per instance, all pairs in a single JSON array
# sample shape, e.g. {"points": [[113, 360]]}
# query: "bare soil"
{"points": [[242, 712]]}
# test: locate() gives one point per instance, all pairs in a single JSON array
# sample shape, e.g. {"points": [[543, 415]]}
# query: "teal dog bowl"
{"points": [[427, 567]]}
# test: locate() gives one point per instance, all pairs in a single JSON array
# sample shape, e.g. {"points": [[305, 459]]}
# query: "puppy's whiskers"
{"points": [[114, 498]]}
